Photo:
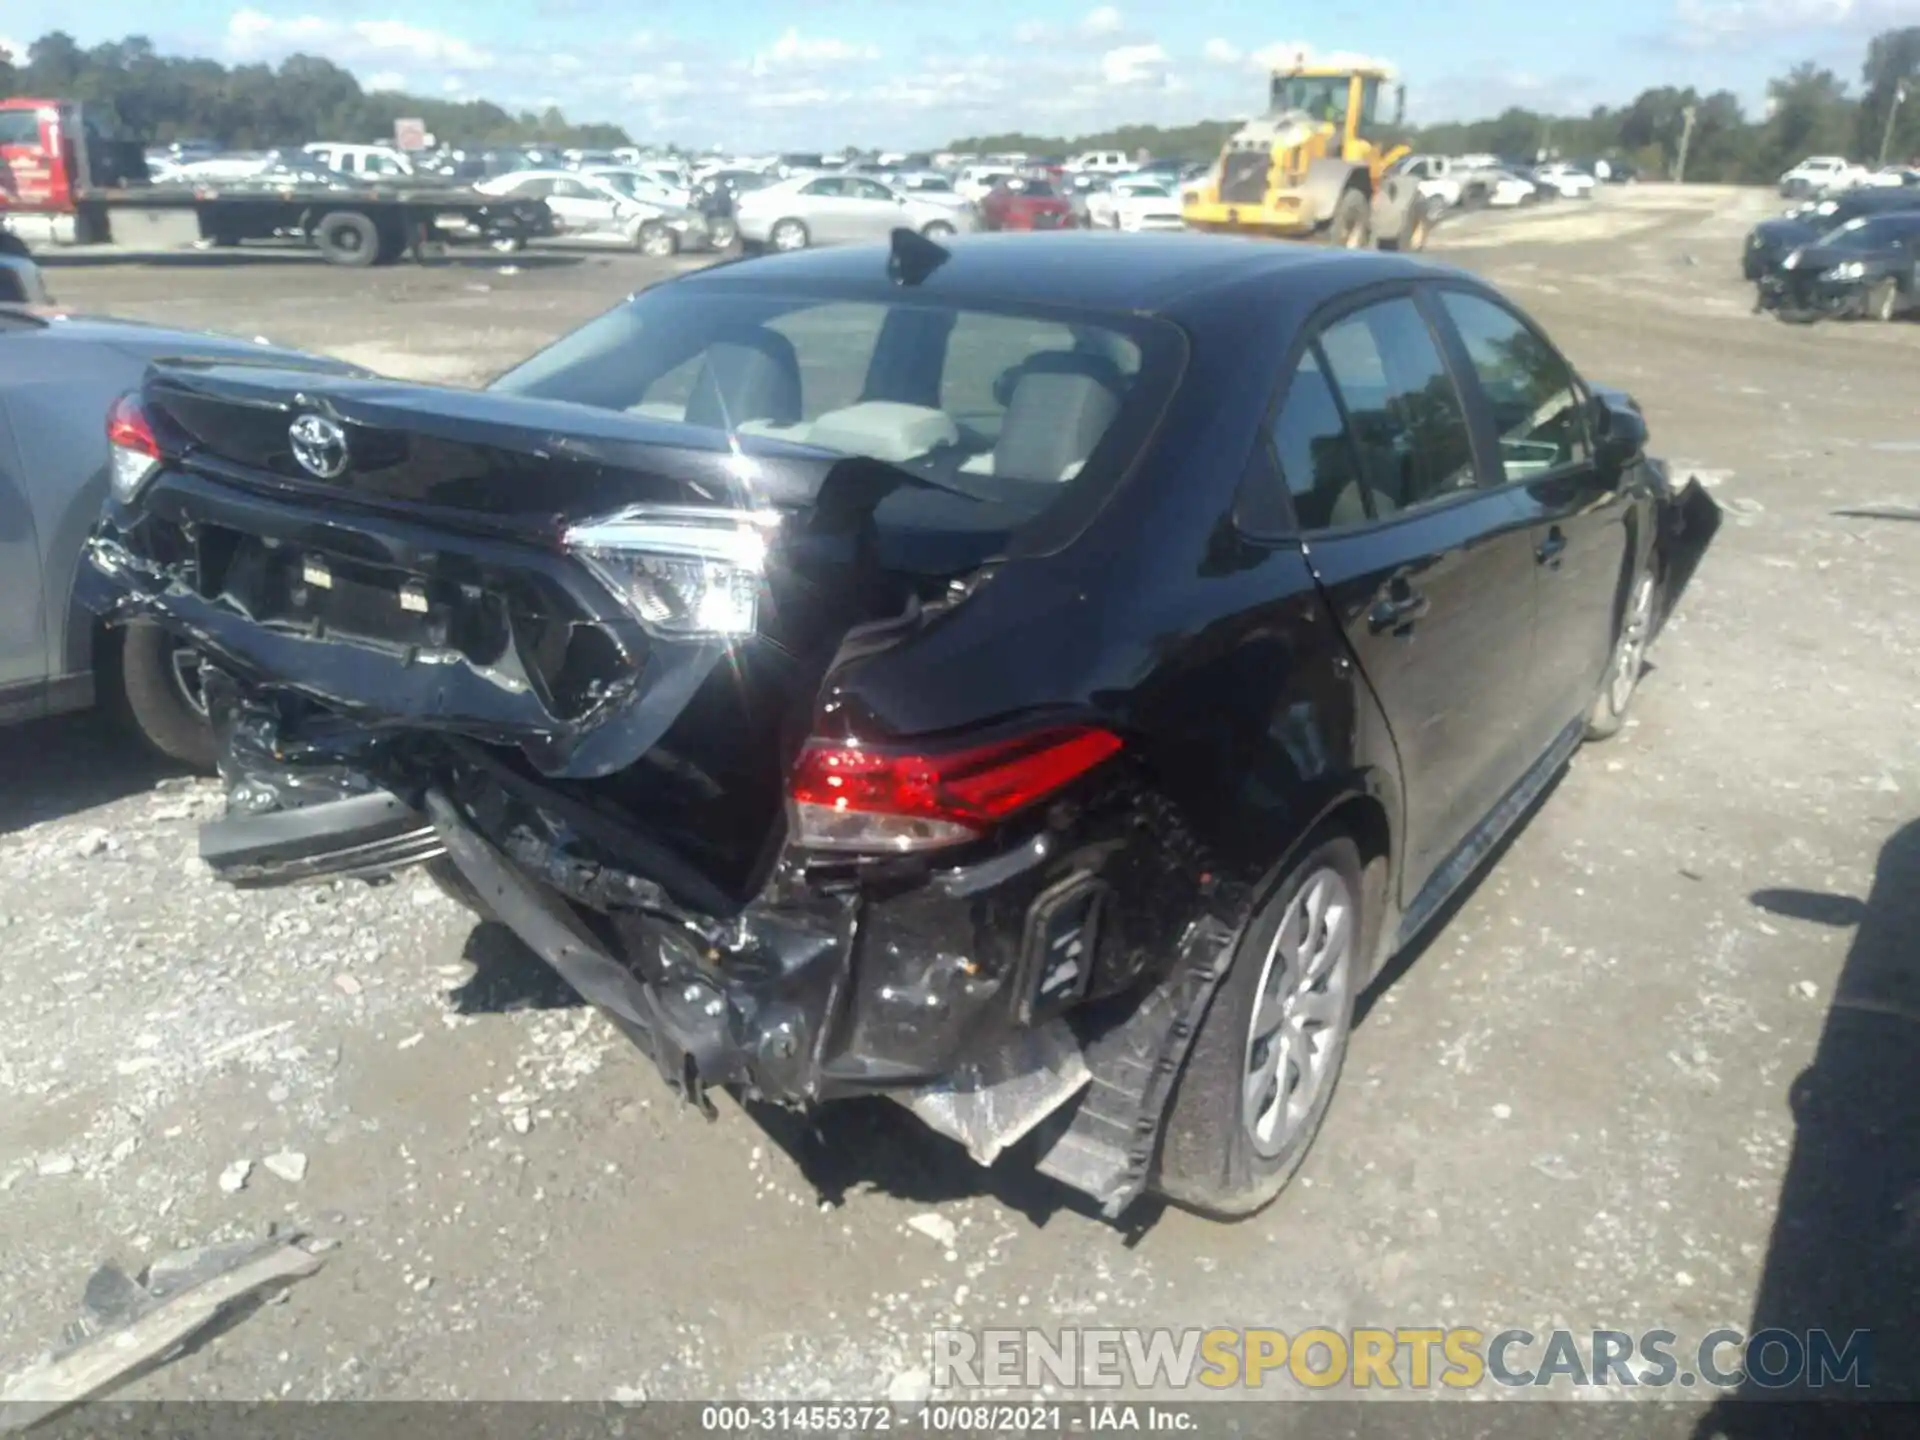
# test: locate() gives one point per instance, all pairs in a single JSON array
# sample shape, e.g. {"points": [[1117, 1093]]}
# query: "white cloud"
{"points": [[1220, 52], [1709, 23], [1284, 54], [1033, 32], [793, 49], [385, 80], [1134, 67], [1103, 20], [253, 35], [14, 49]]}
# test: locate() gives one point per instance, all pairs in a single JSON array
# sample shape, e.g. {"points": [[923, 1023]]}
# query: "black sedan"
{"points": [[1040, 679], [1866, 268], [1771, 241]]}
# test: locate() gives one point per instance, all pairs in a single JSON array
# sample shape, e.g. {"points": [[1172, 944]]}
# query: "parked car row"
{"points": [[1856, 255], [1831, 175]]}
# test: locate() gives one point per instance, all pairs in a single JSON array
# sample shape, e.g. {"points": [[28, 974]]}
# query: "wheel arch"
{"points": [[1328, 178]]}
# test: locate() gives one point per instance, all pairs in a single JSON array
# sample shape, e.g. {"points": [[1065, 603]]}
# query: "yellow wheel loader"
{"points": [[1317, 165]]}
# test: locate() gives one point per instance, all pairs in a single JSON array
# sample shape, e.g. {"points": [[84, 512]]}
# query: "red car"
{"points": [[1021, 202]]}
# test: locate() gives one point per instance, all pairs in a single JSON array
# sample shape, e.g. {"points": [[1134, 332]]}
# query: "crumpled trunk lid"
{"points": [[426, 588]]}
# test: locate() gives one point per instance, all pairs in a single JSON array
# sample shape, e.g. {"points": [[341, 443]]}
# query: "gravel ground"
{"points": [[1587, 1103]]}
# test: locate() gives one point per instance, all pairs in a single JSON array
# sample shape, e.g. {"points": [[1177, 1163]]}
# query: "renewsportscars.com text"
{"points": [[1409, 1358]]}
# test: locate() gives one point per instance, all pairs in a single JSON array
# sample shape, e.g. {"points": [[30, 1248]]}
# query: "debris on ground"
{"points": [[233, 1179], [128, 1326], [937, 1228], [289, 1165]]}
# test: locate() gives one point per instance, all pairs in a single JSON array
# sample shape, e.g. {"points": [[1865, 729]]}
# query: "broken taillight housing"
{"points": [[683, 573], [852, 797], [133, 453]]}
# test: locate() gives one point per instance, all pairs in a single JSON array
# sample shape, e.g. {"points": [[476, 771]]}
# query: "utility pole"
{"points": [[1687, 117], [1893, 110]]}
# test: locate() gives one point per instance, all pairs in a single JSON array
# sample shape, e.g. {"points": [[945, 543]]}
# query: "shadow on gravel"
{"points": [[507, 976], [1845, 1251], [875, 1145], [52, 768]]}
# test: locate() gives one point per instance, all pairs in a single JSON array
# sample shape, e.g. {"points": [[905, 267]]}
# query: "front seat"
{"points": [[1062, 403], [747, 374]]}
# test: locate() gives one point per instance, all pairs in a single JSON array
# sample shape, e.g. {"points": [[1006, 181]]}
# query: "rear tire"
{"points": [[348, 238], [1609, 714], [1352, 221], [151, 696], [789, 235], [937, 230], [656, 241], [1881, 299], [1267, 1058]]}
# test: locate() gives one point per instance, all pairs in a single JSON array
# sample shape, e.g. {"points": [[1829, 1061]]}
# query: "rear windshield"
{"points": [[1010, 413], [1022, 185]]}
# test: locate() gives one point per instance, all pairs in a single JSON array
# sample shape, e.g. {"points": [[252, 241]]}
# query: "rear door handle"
{"points": [[1550, 549], [1397, 610]]}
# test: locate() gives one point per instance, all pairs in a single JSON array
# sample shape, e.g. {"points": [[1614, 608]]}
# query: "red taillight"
{"points": [[127, 426], [132, 452], [852, 797]]}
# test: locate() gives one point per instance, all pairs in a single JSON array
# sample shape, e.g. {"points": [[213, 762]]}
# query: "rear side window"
{"points": [[988, 353], [1537, 406], [1310, 445], [1407, 423]]}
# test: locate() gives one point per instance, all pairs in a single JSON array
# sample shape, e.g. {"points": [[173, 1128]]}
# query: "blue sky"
{"points": [[824, 73]]}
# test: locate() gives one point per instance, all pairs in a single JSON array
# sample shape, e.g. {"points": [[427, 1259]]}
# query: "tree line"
{"points": [[1810, 111], [160, 98]]}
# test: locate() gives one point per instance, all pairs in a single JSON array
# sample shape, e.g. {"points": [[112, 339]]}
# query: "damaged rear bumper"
{"points": [[357, 837]]}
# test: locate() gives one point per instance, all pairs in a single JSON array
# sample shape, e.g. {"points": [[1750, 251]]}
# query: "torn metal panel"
{"points": [[992, 1103]]}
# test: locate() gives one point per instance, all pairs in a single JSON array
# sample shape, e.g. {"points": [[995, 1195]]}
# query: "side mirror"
{"points": [[1399, 105], [1619, 432]]}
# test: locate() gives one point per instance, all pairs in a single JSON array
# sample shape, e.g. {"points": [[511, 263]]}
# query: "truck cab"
{"points": [[54, 151], [363, 162]]}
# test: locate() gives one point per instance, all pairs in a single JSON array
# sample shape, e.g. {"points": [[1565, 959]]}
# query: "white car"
{"points": [[1434, 176], [1819, 174], [641, 184], [926, 185], [587, 207], [1134, 203], [1566, 181], [1504, 189], [1102, 162], [830, 209], [363, 162]]}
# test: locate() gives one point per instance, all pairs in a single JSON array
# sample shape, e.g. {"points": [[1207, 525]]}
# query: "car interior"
{"points": [[1045, 412]]}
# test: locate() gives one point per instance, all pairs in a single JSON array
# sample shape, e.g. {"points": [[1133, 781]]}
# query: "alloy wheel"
{"points": [[788, 235], [1293, 1037], [183, 665], [1632, 650]]}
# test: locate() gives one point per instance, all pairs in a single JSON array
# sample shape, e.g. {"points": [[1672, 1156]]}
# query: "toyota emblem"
{"points": [[319, 445]]}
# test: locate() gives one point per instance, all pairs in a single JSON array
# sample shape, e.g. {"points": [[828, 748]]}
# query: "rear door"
{"points": [[872, 210], [1426, 564], [827, 210], [1536, 412], [585, 211], [23, 640]]}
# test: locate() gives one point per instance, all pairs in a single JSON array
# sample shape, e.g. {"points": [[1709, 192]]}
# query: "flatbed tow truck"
{"points": [[64, 177]]}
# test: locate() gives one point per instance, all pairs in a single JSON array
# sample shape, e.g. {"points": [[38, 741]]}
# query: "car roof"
{"points": [[1086, 269]]}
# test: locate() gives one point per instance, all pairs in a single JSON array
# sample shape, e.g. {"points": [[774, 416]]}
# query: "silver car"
{"points": [[835, 209], [59, 378]]}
